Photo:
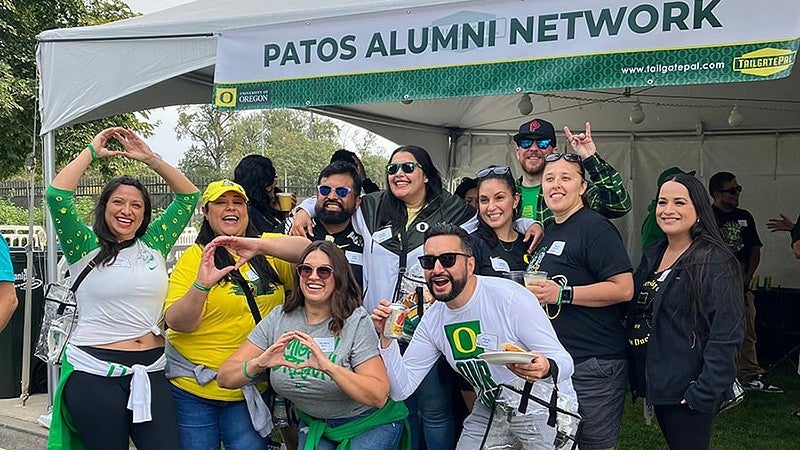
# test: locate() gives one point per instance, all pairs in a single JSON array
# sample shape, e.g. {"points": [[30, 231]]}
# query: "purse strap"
{"points": [[75, 284], [251, 299]]}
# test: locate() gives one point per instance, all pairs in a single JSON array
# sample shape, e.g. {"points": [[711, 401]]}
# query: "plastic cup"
{"points": [[285, 201], [517, 276], [533, 276]]}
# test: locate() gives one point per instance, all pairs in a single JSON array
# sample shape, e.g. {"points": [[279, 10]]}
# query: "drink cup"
{"points": [[395, 321], [517, 276], [533, 276], [285, 201]]}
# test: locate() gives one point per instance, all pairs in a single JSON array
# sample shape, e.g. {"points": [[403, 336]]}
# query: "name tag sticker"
{"points": [[500, 265], [664, 275], [325, 344], [487, 341], [122, 262], [382, 234], [742, 223], [252, 275], [556, 248], [354, 258]]}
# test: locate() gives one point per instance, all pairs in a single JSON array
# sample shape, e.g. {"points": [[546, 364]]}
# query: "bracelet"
{"points": [[244, 371], [200, 287], [94, 152], [560, 291]]}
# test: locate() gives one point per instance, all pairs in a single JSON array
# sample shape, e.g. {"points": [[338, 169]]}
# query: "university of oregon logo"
{"points": [[225, 97], [764, 62], [463, 338]]}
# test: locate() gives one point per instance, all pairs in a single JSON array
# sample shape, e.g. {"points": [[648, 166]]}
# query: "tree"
{"points": [[20, 22]]}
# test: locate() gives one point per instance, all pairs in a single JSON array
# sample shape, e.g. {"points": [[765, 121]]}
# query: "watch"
{"points": [[566, 295]]}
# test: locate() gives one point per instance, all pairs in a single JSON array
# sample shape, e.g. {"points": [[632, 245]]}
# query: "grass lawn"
{"points": [[761, 421]]}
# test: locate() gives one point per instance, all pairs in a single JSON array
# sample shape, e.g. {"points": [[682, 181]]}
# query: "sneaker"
{"points": [[759, 383]]}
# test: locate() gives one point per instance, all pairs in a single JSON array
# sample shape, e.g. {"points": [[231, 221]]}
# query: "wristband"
{"points": [[566, 295], [91, 149], [244, 371], [200, 287], [560, 292]]}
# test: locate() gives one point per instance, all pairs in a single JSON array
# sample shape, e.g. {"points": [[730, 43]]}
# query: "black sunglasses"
{"points": [[571, 157], [497, 170], [341, 191], [447, 260], [406, 167], [541, 144], [733, 190], [323, 272]]}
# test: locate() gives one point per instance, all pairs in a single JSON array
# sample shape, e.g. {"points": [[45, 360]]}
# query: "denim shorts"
{"points": [[601, 385]]}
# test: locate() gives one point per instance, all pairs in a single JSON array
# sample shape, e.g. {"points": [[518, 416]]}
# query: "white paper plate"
{"points": [[503, 358]]}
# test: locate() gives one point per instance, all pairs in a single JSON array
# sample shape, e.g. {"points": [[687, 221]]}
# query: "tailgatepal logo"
{"points": [[765, 62]]}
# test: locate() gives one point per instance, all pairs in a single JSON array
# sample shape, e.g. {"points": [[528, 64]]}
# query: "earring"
{"points": [[426, 180]]}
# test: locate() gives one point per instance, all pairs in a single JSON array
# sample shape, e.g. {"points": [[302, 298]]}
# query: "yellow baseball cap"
{"points": [[216, 188]]}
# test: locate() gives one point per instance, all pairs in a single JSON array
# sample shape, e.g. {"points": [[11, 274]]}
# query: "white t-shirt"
{"points": [[124, 300], [499, 311]]}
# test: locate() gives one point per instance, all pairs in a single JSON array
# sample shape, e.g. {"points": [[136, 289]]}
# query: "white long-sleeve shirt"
{"points": [[499, 311]]}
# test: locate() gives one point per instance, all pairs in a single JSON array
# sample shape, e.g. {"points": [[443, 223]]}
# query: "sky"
{"points": [[164, 140]]}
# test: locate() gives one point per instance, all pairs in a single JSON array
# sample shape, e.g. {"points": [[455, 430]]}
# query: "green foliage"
{"points": [[20, 22], [11, 214]]}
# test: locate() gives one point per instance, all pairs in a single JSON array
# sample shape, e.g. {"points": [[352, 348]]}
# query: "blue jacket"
{"points": [[693, 359]]}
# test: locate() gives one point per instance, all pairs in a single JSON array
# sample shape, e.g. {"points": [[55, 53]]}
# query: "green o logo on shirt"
{"points": [[463, 339]]}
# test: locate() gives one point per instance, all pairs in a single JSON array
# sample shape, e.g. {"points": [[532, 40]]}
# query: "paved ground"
{"points": [[19, 425]]}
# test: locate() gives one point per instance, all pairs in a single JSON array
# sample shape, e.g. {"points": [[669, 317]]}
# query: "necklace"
{"points": [[508, 249]]}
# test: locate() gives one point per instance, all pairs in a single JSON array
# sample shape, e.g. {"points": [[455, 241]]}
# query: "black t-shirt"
{"points": [[351, 243], [501, 258], [738, 229], [640, 324], [585, 249]]}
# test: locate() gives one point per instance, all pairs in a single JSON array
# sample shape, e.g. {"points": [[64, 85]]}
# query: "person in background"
{"points": [[8, 293], [686, 322], [112, 388], [590, 274], [473, 315], [210, 313], [468, 190], [783, 223], [320, 351], [338, 197], [651, 232], [256, 174], [536, 139], [367, 185], [738, 229]]}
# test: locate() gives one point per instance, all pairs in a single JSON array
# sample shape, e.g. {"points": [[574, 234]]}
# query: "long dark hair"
{"points": [[485, 231], [222, 258], [254, 173], [706, 247], [109, 245], [392, 210], [346, 295]]}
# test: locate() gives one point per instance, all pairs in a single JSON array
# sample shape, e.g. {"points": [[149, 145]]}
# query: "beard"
{"points": [[457, 286], [333, 217]]}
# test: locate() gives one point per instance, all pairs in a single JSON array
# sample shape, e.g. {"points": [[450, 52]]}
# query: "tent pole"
{"points": [[51, 259]]}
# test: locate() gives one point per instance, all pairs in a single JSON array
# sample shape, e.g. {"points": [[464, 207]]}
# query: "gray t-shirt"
{"points": [[312, 391]]}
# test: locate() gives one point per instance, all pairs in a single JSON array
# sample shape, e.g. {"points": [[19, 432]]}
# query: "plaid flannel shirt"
{"points": [[606, 193]]}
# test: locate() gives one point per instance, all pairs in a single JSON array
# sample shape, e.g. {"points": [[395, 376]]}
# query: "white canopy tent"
{"points": [[168, 58]]}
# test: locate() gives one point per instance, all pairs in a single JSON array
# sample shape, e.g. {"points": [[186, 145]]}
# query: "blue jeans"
{"points": [[383, 437], [204, 423], [434, 403]]}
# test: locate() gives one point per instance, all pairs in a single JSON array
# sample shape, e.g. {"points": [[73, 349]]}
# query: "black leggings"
{"points": [[98, 405], [683, 427]]}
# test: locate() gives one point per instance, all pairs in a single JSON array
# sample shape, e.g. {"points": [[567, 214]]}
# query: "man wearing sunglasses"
{"points": [[338, 196], [537, 139], [738, 229], [474, 315]]}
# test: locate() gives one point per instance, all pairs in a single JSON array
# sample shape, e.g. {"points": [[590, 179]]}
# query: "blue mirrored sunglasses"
{"points": [[541, 144], [341, 191]]}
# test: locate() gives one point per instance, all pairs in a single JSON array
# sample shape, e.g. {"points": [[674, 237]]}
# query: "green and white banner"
{"points": [[494, 47]]}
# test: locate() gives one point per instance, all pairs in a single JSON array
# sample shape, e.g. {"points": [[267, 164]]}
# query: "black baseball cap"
{"points": [[536, 129]]}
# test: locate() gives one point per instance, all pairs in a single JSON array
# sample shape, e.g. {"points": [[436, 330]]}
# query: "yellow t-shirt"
{"points": [[226, 321]]}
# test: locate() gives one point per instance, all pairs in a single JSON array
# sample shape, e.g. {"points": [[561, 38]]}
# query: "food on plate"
{"points": [[509, 347]]}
